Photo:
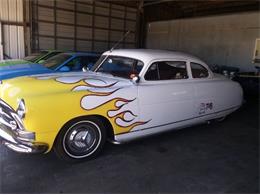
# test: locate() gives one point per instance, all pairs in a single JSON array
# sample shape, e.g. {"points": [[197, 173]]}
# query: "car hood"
{"points": [[7, 72], [13, 62], [59, 83]]}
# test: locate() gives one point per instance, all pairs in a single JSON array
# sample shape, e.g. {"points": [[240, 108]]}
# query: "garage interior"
{"points": [[216, 158]]}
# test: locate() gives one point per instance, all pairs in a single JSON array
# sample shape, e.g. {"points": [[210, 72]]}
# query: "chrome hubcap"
{"points": [[81, 140]]}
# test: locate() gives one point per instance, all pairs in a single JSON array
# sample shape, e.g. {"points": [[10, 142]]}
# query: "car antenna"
{"points": [[117, 43]]}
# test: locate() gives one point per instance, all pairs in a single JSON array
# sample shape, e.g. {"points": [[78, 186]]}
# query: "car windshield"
{"points": [[118, 66], [56, 61], [34, 56]]}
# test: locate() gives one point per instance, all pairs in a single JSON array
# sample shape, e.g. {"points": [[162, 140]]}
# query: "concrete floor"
{"points": [[216, 158]]}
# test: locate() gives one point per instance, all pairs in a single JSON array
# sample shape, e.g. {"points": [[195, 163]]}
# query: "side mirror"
{"points": [[65, 69], [136, 79], [85, 69]]}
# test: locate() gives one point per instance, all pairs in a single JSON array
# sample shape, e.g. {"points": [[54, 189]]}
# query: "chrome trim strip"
{"points": [[7, 136], [3, 122]]}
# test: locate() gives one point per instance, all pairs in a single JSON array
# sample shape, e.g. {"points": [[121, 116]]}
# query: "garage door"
{"points": [[12, 29], [82, 25]]}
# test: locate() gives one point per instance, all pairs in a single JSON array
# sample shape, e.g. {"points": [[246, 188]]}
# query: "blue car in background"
{"points": [[63, 62]]}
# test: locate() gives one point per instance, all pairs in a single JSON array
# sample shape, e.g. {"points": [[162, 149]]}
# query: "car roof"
{"points": [[50, 50], [147, 55], [82, 53]]}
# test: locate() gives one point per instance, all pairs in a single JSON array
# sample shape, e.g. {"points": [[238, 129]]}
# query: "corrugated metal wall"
{"points": [[82, 25], [11, 19]]}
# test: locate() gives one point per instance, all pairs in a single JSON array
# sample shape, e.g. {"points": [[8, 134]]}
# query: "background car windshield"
{"points": [[96, 65], [120, 66], [56, 61], [35, 56]]}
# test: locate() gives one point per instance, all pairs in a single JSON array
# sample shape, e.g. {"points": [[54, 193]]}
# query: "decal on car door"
{"points": [[205, 107]]}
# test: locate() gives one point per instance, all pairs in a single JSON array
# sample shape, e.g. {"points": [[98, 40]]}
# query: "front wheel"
{"points": [[80, 139]]}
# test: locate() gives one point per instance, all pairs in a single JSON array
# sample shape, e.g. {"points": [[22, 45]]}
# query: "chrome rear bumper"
{"points": [[14, 136]]}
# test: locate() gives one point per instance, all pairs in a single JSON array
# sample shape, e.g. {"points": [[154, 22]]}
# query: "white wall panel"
{"points": [[6, 40], [1, 49], [4, 10], [21, 41], [13, 31], [223, 40], [11, 10], [13, 35]]}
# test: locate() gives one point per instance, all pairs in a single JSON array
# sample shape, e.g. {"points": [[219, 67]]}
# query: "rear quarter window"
{"points": [[198, 71]]}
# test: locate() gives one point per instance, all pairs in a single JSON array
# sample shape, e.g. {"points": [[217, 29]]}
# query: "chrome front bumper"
{"points": [[14, 136]]}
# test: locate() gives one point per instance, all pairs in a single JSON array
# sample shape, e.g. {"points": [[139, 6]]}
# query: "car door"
{"points": [[203, 96], [211, 95], [166, 93]]}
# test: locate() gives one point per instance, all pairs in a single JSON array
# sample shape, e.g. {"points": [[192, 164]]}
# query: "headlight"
{"points": [[21, 109]]}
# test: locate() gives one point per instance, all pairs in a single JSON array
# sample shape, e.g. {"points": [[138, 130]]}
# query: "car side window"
{"points": [[74, 64], [50, 55], [88, 61], [198, 71], [167, 70]]}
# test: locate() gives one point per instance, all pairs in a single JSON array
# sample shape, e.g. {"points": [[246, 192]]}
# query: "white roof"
{"points": [[147, 55]]}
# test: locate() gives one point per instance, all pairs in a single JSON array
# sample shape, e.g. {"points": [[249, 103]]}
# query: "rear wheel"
{"points": [[80, 139]]}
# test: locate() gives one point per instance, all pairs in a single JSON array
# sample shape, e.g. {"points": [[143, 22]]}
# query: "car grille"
{"points": [[8, 117]]}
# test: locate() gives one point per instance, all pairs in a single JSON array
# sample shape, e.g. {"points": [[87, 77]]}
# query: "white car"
{"points": [[128, 94]]}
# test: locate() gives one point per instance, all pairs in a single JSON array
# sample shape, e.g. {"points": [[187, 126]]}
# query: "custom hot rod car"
{"points": [[128, 94]]}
